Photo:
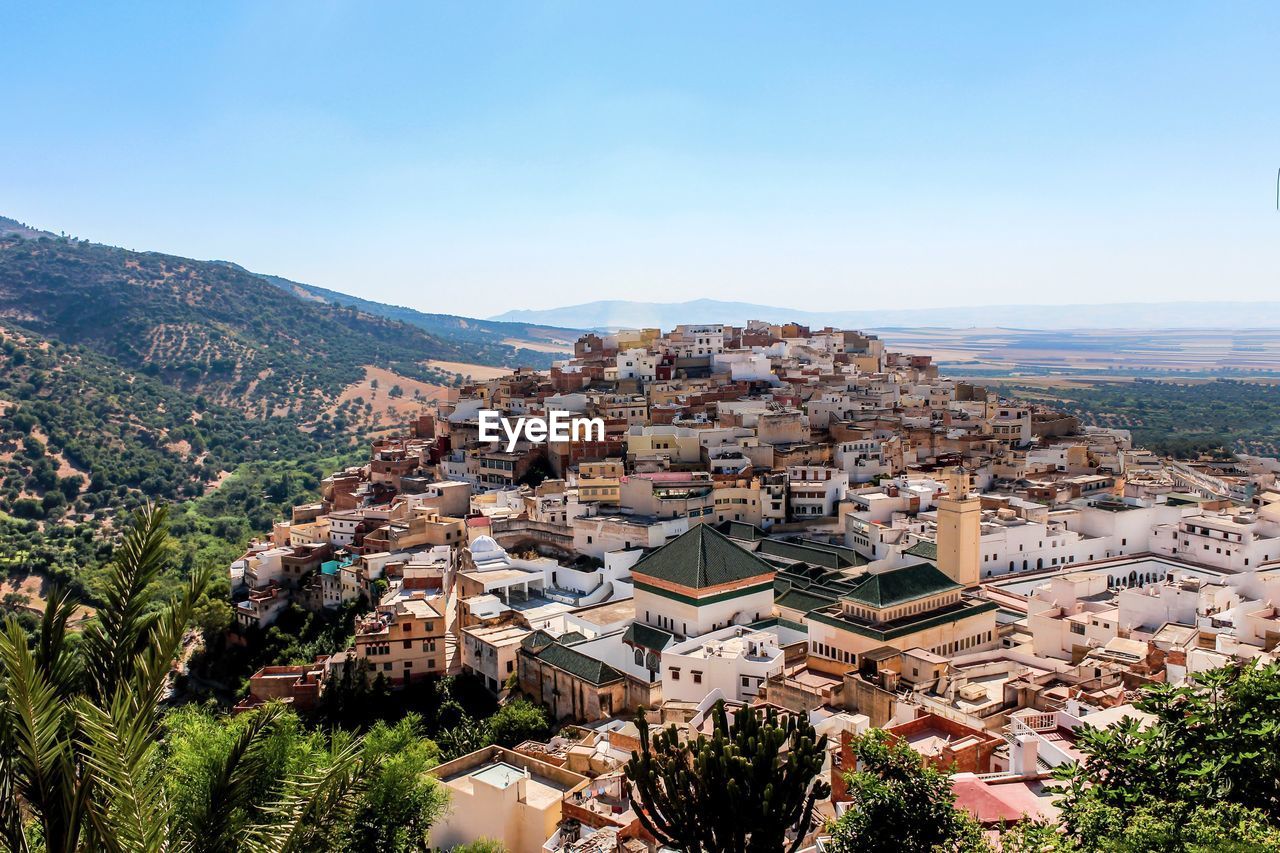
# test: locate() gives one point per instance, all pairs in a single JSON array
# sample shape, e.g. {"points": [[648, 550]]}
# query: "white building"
{"points": [[815, 490], [863, 460], [637, 364], [1240, 542], [734, 660], [597, 535], [694, 341]]}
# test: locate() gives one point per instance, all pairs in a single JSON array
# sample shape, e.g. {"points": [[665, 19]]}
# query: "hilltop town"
{"points": [[775, 516]]}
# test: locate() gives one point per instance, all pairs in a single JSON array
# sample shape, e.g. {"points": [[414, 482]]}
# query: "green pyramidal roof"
{"points": [[702, 557], [898, 586]]}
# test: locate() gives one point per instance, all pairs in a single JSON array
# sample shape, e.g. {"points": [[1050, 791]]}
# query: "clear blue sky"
{"points": [[475, 157]]}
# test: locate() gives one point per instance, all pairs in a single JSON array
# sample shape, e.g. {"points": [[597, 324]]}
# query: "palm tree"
{"points": [[81, 764]]}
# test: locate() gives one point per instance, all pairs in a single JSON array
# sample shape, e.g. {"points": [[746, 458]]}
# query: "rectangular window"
{"points": [[697, 677], [675, 675]]}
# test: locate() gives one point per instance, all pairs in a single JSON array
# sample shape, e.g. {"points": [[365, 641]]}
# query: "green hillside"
{"points": [[83, 439], [207, 327], [490, 334], [132, 376]]}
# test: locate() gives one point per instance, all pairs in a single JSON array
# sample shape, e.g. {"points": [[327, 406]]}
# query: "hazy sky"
{"points": [[475, 157]]}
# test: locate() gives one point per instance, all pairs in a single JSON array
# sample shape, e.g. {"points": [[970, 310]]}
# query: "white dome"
{"points": [[485, 545]]}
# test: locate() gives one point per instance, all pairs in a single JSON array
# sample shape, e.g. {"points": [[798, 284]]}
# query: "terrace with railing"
{"points": [[1054, 732]]}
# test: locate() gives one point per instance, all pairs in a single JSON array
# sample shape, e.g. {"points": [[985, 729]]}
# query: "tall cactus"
{"points": [[743, 789]]}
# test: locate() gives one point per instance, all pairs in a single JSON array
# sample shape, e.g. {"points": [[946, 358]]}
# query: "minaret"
{"points": [[959, 530]]}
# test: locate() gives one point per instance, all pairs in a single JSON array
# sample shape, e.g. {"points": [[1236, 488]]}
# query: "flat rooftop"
{"points": [[503, 576], [540, 791], [1025, 584], [499, 774], [932, 742], [608, 614], [498, 635]]}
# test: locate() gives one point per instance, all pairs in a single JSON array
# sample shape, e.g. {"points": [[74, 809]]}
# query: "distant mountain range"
{"points": [[613, 314]]}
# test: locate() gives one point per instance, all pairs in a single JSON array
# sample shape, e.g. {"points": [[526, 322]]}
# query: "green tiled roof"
{"points": [[803, 600], [774, 621], [578, 665], [741, 530], [909, 625], [646, 636], [704, 600], [570, 638], [814, 553], [898, 586], [924, 550], [537, 640], [701, 557]]}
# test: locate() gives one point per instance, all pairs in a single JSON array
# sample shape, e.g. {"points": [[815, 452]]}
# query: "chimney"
{"points": [[1026, 752]]}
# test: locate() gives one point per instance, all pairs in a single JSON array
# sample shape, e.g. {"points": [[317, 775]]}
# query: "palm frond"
{"points": [[150, 668], [213, 827], [311, 806], [123, 625], [12, 836], [53, 656], [120, 748], [39, 760]]}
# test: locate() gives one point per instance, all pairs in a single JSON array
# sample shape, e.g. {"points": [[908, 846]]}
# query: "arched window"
{"points": [[639, 657]]}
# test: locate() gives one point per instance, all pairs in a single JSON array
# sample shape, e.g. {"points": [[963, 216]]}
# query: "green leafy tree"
{"points": [[898, 804], [213, 616], [351, 697], [466, 736], [1181, 827], [400, 800], [224, 778], [745, 788], [79, 723], [224, 774], [518, 721], [1201, 775], [1032, 836]]}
